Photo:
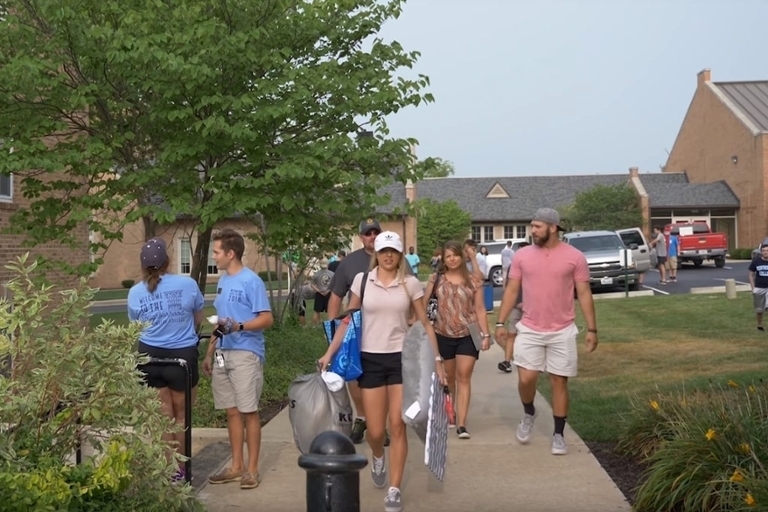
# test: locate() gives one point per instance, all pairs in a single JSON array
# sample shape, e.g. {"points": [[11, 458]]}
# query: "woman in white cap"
{"points": [[172, 305], [390, 293]]}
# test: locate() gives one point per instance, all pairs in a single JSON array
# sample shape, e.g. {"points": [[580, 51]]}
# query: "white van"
{"points": [[493, 260]]}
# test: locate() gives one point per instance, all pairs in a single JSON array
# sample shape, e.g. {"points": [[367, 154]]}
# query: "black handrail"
{"points": [[187, 407]]}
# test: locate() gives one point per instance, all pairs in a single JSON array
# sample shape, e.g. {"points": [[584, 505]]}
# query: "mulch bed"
{"points": [[269, 410], [625, 472]]}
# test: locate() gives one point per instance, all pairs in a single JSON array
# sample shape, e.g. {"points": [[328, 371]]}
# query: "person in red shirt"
{"points": [[549, 270]]}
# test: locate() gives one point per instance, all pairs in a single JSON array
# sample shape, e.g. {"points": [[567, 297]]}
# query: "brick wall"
{"points": [[709, 137], [12, 246]]}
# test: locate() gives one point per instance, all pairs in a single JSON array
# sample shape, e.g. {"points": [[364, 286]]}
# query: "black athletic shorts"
{"points": [[321, 303], [381, 370], [172, 376], [452, 347]]}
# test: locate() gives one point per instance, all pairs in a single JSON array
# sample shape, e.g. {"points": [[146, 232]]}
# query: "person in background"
{"points": [[436, 259], [506, 261], [758, 280], [333, 265], [172, 305], [413, 260], [459, 304], [390, 295], [472, 260], [673, 248], [660, 244], [238, 344], [508, 342]]}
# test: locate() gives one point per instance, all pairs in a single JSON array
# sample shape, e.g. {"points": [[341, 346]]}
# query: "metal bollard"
{"points": [[730, 288], [333, 473]]}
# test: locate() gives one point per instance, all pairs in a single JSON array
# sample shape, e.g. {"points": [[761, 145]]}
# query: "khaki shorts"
{"points": [[551, 352], [671, 263], [759, 296], [240, 383], [514, 317]]}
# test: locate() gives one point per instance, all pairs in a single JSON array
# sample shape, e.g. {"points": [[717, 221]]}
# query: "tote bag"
{"points": [[346, 362]]}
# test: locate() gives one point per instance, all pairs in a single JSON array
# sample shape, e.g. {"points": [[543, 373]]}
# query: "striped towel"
{"points": [[436, 445]]}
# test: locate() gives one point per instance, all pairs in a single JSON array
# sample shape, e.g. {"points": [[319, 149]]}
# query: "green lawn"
{"points": [[661, 343], [122, 293]]}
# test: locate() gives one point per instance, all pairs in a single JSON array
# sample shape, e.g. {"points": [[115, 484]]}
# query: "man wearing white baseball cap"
{"points": [[390, 293]]}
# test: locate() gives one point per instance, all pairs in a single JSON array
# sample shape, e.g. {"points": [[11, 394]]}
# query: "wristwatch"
{"points": [[594, 331], [486, 335], [439, 359], [499, 324], [240, 326]]}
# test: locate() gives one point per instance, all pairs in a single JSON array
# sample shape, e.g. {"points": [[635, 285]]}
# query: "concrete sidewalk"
{"points": [[490, 472]]}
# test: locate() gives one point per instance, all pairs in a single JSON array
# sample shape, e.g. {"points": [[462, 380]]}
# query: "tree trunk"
{"points": [[150, 227], [199, 270]]}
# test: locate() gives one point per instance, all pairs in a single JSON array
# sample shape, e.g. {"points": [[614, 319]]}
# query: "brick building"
{"points": [[724, 136], [12, 246], [121, 259]]}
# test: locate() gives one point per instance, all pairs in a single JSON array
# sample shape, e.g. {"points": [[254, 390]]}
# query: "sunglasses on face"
{"points": [[372, 232]]}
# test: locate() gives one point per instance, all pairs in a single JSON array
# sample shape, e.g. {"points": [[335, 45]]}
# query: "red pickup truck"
{"points": [[698, 243]]}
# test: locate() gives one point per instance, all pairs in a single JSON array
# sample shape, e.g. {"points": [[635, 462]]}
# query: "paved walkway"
{"points": [[490, 472]]}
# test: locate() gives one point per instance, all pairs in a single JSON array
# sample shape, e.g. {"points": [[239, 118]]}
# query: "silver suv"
{"points": [[603, 252]]}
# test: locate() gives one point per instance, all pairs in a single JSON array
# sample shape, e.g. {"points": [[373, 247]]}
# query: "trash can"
{"points": [[488, 294]]}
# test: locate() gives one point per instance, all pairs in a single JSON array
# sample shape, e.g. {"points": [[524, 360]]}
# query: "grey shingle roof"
{"points": [[751, 98], [528, 193], [397, 198], [672, 194]]}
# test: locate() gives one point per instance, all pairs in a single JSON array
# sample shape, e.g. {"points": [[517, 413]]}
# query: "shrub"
{"points": [[742, 253], [127, 283], [706, 450], [69, 383], [272, 276]]}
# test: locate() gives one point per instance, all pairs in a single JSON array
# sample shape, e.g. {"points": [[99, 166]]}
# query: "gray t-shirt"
{"points": [[358, 261], [506, 256], [661, 245]]}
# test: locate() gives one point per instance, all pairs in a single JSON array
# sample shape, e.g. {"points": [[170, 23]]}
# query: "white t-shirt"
{"points": [[385, 311]]}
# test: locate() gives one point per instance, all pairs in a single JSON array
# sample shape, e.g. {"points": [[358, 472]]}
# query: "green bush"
{"points": [[706, 450], [272, 276], [127, 283], [69, 383], [743, 253], [291, 350]]}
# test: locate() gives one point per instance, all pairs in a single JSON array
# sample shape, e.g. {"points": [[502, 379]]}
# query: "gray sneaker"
{"points": [[379, 472], [394, 500], [525, 429], [558, 445]]}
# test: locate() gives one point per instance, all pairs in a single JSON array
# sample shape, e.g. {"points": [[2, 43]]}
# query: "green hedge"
{"points": [[742, 253], [272, 276]]}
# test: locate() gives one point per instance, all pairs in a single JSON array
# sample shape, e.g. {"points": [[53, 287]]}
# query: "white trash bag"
{"points": [[318, 402], [418, 366]]}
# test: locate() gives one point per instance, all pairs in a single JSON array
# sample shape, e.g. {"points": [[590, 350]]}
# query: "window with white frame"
{"points": [[521, 231], [488, 234], [476, 233], [185, 258], [509, 232], [6, 187]]}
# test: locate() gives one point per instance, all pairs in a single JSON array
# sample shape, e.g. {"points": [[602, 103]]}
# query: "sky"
{"points": [[555, 87]]}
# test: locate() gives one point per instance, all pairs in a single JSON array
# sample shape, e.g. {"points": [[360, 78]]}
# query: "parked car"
{"points": [[603, 250], [756, 250], [493, 260], [642, 255], [698, 243]]}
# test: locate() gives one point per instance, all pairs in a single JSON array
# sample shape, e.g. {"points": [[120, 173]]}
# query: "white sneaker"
{"points": [[558, 445], [394, 500], [525, 429]]}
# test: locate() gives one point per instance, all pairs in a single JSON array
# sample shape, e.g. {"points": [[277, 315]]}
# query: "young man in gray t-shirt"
{"points": [[660, 243]]}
